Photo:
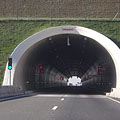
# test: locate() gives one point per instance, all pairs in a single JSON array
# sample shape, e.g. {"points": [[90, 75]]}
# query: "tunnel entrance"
{"points": [[53, 60], [49, 58]]}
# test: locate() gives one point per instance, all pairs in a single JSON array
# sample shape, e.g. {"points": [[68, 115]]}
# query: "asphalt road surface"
{"points": [[67, 105]]}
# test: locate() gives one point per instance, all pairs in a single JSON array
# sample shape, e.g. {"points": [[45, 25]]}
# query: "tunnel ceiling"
{"points": [[70, 54]]}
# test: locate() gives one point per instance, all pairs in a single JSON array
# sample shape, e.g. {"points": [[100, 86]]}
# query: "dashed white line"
{"points": [[55, 107], [114, 100], [62, 99]]}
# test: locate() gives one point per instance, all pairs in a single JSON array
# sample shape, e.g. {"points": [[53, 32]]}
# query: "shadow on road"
{"points": [[70, 90], [58, 90]]}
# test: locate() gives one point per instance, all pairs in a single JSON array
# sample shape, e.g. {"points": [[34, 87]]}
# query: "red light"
{"points": [[41, 69], [84, 78], [99, 70], [61, 78], [38, 66]]}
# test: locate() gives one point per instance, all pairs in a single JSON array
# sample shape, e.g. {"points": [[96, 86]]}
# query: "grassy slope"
{"points": [[14, 32]]}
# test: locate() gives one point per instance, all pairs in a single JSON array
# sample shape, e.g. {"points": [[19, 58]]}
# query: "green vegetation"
{"points": [[13, 32]]}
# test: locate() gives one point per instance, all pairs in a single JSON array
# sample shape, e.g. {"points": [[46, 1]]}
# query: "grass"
{"points": [[13, 32]]}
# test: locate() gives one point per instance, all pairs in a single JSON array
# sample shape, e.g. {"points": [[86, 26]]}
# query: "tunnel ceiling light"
{"points": [[50, 38], [57, 56], [85, 38], [68, 41], [27, 82]]}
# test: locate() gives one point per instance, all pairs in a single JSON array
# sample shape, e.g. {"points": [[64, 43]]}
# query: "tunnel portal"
{"points": [[51, 61]]}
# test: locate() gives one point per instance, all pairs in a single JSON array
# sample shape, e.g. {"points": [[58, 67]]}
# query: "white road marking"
{"points": [[55, 107], [62, 99], [71, 96], [44, 95], [114, 100]]}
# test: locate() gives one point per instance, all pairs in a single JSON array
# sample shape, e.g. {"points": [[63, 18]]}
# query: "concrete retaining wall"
{"points": [[7, 91], [115, 93]]}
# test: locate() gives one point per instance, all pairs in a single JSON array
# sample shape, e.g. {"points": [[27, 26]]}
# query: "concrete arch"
{"points": [[21, 49]]}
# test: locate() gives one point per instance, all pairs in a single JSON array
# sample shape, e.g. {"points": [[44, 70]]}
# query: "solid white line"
{"points": [[44, 95], [12, 97], [55, 107], [62, 99], [114, 100]]}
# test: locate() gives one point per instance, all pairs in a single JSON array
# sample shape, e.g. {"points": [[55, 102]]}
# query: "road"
{"points": [[61, 106]]}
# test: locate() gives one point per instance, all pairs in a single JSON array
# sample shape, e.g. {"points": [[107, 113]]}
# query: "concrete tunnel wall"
{"points": [[104, 81], [22, 51]]}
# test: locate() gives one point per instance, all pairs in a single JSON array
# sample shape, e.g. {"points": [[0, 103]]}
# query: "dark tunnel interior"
{"points": [[51, 61]]}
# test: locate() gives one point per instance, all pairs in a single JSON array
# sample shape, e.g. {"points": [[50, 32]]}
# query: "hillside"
{"points": [[59, 8], [14, 32]]}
